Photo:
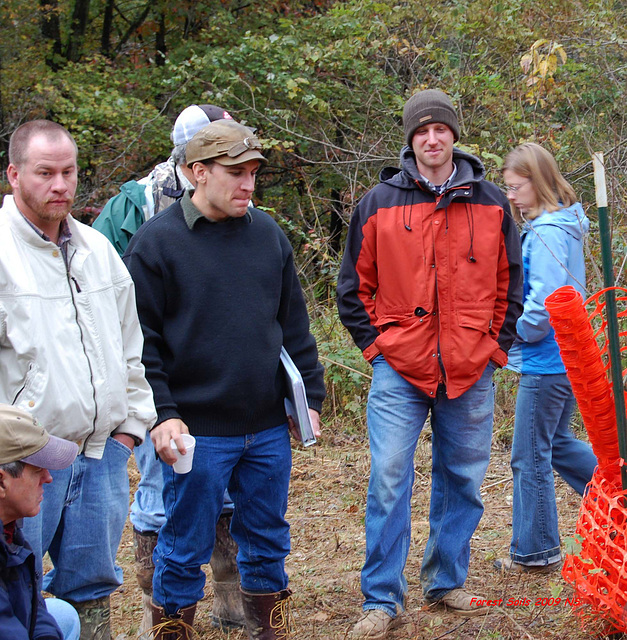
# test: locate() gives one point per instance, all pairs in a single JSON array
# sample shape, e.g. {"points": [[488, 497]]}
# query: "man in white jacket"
{"points": [[70, 354]]}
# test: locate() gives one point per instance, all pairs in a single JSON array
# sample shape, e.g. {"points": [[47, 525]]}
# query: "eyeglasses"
{"points": [[515, 189]]}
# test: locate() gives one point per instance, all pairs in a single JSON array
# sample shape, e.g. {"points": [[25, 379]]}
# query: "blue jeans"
{"points": [[256, 469], [65, 616], [462, 434], [542, 442], [80, 525], [147, 510]]}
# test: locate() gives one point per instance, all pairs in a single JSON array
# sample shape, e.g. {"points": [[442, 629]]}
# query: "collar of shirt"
{"points": [[440, 189], [64, 232], [9, 532], [191, 213]]}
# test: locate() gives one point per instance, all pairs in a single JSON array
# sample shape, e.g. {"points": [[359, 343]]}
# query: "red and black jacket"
{"points": [[433, 282]]}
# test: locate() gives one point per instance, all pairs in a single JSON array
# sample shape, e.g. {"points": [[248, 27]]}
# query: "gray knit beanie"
{"points": [[429, 106]]}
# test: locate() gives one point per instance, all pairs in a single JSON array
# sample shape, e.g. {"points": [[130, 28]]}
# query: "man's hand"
{"points": [[162, 434], [315, 423], [125, 439]]}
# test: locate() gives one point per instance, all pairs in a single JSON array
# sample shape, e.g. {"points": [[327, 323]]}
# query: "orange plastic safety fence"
{"points": [[598, 570], [587, 363]]}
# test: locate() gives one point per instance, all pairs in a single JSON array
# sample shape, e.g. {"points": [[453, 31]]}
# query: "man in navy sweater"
{"points": [[218, 295]]}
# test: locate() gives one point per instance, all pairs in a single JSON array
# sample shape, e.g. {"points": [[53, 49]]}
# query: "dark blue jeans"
{"points": [[256, 470], [543, 441], [147, 512]]}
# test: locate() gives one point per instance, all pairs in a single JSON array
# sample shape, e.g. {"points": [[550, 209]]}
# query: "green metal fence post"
{"points": [[610, 307]]}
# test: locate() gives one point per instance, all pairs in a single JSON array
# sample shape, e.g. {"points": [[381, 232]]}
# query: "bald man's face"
{"points": [[44, 186]]}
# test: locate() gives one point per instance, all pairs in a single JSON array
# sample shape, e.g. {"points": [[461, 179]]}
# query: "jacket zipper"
{"points": [[70, 279], [437, 301]]}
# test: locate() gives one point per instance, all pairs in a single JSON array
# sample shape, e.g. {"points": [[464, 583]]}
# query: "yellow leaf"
{"points": [[538, 43], [525, 62], [536, 60], [561, 51], [543, 68]]}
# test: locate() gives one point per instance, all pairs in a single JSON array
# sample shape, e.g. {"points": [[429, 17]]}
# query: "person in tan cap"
{"points": [[118, 221], [218, 296], [27, 452]]}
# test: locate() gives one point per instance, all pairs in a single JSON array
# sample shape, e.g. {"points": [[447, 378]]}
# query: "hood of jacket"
{"points": [[469, 169], [571, 219]]}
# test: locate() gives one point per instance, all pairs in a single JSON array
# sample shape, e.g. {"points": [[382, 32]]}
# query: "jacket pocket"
{"points": [[28, 389], [479, 319]]}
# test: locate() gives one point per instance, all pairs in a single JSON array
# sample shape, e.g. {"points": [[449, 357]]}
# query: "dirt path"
{"points": [[326, 512]]}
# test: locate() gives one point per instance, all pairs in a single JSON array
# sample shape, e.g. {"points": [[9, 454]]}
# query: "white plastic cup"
{"points": [[183, 463]]}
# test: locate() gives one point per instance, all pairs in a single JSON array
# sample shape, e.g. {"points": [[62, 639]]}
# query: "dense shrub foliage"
{"points": [[324, 82]]}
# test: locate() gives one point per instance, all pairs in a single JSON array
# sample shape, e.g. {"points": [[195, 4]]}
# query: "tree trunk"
{"points": [[134, 26], [50, 30], [162, 50], [336, 223], [80, 16], [105, 39]]}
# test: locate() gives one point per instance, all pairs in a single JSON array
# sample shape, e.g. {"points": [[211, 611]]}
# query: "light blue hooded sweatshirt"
{"points": [[552, 248]]}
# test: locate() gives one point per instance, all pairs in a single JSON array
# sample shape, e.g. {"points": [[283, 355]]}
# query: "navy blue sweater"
{"points": [[216, 303]]}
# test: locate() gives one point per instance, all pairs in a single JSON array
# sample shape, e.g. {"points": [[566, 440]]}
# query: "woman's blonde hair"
{"points": [[535, 163]]}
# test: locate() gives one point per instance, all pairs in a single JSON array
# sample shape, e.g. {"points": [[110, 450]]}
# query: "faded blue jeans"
{"points": [[147, 513], [543, 441], [256, 469], [462, 435], [65, 616], [80, 525]]}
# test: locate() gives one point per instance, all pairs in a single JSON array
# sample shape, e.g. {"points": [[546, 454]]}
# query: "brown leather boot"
{"points": [[175, 627], [268, 615], [228, 611], [144, 544]]}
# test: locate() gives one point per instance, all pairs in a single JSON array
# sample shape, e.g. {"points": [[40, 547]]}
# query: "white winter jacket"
{"points": [[70, 339]]}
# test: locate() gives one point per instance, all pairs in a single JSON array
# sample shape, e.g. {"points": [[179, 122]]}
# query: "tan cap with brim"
{"points": [[23, 439], [226, 142]]}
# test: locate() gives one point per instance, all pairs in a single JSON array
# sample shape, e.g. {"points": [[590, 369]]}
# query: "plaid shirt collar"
{"points": [[440, 189], [64, 232], [65, 235]]}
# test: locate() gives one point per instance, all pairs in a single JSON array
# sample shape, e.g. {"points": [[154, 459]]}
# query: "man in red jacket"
{"points": [[430, 289]]}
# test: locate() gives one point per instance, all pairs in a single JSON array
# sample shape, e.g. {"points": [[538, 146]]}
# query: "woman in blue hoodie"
{"points": [[552, 246]]}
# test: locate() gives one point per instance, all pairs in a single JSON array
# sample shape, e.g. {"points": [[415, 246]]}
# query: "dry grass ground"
{"points": [[326, 512]]}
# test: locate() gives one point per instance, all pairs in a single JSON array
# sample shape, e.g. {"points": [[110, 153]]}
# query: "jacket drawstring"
{"points": [[407, 223], [471, 232]]}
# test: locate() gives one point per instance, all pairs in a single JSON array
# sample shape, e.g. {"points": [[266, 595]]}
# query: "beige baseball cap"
{"points": [[226, 142], [23, 439]]}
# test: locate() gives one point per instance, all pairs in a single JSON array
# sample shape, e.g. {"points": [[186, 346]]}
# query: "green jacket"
{"points": [[122, 215]]}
